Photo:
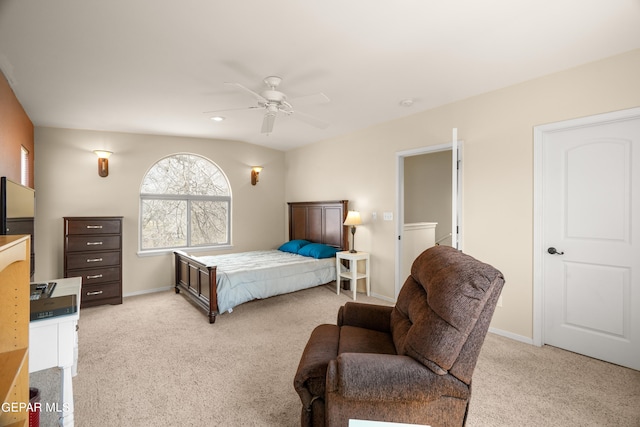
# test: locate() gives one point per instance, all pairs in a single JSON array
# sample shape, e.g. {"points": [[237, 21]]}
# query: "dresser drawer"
{"points": [[97, 292], [94, 226], [92, 243], [97, 275], [92, 260]]}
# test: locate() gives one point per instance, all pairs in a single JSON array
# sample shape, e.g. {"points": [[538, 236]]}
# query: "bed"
{"points": [[217, 284]]}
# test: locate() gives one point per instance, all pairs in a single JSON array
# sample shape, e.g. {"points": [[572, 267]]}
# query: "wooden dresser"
{"points": [[93, 251], [14, 329]]}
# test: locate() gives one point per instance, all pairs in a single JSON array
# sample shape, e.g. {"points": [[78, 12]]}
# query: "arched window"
{"points": [[185, 202]]}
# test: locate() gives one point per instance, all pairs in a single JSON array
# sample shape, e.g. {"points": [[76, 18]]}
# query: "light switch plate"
{"points": [[387, 216]]}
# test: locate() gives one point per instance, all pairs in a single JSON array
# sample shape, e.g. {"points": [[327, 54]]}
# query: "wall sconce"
{"points": [[353, 219], [103, 162], [255, 173]]}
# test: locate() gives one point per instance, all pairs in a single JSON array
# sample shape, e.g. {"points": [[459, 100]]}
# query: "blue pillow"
{"points": [[293, 246], [318, 250]]}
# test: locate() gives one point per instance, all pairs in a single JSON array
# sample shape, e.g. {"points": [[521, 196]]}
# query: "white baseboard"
{"points": [[147, 291], [382, 297], [511, 335]]}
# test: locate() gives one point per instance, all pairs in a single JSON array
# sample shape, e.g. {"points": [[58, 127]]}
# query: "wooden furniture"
{"points": [[53, 343], [93, 251], [318, 222], [353, 274], [14, 329]]}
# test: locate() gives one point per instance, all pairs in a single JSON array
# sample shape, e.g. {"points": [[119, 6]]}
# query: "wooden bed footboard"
{"points": [[198, 280]]}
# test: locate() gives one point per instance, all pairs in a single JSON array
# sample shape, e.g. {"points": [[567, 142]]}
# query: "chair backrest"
{"points": [[444, 309]]}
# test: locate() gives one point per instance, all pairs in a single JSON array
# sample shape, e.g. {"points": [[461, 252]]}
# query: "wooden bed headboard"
{"points": [[319, 222]]}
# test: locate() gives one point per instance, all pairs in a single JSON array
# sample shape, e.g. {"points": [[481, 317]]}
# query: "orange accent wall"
{"points": [[16, 130]]}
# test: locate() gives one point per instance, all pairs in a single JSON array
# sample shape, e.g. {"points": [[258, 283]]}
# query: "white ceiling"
{"points": [[155, 66]]}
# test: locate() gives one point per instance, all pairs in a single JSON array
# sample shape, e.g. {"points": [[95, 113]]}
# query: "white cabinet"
{"points": [[53, 343]]}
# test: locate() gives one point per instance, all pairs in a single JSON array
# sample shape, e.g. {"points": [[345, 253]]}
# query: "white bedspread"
{"points": [[253, 275]]}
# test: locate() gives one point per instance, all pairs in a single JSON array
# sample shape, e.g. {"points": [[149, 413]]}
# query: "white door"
{"points": [[455, 199], [591, 236]]}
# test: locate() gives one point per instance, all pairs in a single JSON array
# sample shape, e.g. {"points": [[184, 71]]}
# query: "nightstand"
{"points": [[353, 274]]}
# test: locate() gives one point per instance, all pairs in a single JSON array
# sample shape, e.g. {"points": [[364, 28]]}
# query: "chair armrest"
{"points": [[392, 388], [310, 377], [391, 378], [368, 316]]}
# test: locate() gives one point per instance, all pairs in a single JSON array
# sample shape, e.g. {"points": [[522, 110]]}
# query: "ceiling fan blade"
{"points": [[255, 95], [314, 98], [309, 119], [267, 122], [231, 109]]}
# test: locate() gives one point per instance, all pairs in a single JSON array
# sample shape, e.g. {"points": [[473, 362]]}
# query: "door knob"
{"points": [[553, 251]]}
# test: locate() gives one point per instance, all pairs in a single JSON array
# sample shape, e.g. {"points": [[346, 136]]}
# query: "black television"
{"points": [[17, 211]]}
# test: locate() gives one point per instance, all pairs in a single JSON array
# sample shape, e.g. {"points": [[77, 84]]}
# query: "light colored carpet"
{"points": [[156, 361]]}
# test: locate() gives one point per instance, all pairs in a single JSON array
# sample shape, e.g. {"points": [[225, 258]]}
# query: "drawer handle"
{"points": [[93, 243], [94, 226], [94, 259], [94, 293], [97, 276]]}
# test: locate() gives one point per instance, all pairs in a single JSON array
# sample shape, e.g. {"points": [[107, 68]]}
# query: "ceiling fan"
{"points": [[273, 102]]}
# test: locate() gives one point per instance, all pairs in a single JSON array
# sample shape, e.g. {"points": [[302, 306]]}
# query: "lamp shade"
{"points": [[102, 154], [353, 218]]}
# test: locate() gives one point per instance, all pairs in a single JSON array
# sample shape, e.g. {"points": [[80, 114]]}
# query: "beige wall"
{"points": [[497, 206], [67, 182]]}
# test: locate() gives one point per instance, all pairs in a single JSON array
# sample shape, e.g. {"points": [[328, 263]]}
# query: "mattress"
{"points": [[246, 276]]}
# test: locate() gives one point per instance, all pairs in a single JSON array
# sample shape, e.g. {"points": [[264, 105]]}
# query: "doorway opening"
{"points": [[409, 166]]}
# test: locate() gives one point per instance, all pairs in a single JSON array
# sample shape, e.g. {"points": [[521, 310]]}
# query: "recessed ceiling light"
{"points": [[217, 118], [406, 102]]}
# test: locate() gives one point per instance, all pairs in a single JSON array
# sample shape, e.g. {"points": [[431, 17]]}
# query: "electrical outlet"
{"points": [[374, 216], [499, 304], [387, 216]]}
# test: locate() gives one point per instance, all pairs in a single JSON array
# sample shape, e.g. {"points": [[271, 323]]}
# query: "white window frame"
{"points": [[188, 198], [24, 166]]}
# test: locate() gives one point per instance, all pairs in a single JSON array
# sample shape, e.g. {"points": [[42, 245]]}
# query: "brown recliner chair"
{"points": [[411, 363]]}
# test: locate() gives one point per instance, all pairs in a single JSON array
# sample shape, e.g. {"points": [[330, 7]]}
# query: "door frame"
{"points": [[539, 133], [456, 198]]}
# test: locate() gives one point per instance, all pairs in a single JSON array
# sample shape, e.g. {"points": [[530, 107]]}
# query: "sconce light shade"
{"points": [[103, 162], [353, 219], [255, 174]]}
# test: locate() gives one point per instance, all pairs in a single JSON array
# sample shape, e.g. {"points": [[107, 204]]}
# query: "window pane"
{"points": [[182, 174], [164, 223], [185, 202], [209, 220]]}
